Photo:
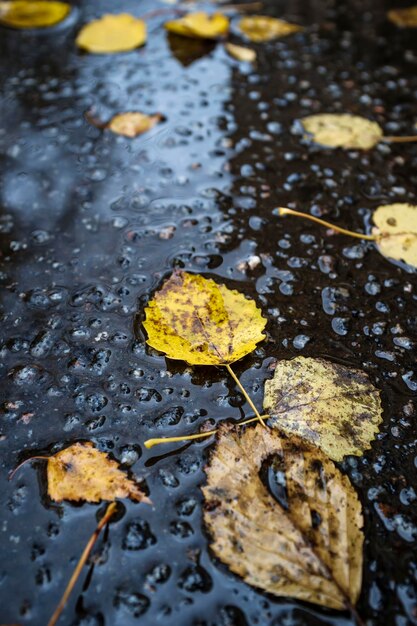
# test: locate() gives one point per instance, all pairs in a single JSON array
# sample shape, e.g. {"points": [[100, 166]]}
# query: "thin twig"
{"points": [[337, 229], [31, 458], [150, 443], [404, 139], [83, 559], [245, 393]]}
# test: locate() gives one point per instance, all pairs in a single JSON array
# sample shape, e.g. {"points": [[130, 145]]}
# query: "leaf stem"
{"points": [[83, 559], [355, 615], [404, 139], [150, 443], [245, 394], [31, 458], [338, 229]]}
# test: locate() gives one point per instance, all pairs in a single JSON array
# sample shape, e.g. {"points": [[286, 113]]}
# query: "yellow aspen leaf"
{"points": [[342, 130], [404, 18], [308, 546], [32, 13], [200, 25], [81, 472], [396, 231], [112, 33], [332, 406], [260, 28], [133, 124], [240, 53], [196, 320]]}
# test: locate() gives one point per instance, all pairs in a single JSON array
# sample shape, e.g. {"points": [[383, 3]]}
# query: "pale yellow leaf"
{"points": [[196, 320], [342, 130], [260, 28], [112, 33], [396, 225], [332, 406], [81, 472], [200, 25], [32, 13], [404, 18], [310, 549], [240, 53], [133, 124]]}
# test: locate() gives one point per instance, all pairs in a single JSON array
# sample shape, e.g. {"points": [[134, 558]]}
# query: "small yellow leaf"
{"points": [[200, 25], [308, 547], [133, 124], [342, 130], [196, 320], [260, 28], [404, 18], [240, 53], [32, 13], [81, 472], [397, 226], [333, 407], [112, 33]]}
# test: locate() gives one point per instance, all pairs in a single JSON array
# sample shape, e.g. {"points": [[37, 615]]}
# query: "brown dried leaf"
{"points": [[311, 549], [81, 472], [133, 124]]}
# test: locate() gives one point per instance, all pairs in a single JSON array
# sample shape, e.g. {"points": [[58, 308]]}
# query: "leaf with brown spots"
{"points": [[334, 407], [308, 547], [396, 231], [81, 472], [196, 320]]}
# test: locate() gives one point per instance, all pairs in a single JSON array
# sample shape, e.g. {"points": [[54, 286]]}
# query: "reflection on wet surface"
{"points": [[92, 223]]}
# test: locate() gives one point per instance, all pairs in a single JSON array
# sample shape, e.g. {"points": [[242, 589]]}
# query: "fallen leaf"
{"points": [[200, 25], [240, 53], [396, 228], [332, 406], [81, 472], [404, 18], [32, 13], [260, 28], [308, 547], [112, 33], [133, 124], [187, 50], [342, 130], [196, 320]]}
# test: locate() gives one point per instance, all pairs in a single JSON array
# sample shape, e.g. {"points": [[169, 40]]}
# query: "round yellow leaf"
{"points": [[342, 130], [404, 18], [132, 124], [32, 14], [396, 225], [333, 407], [112, 33], [200, 25], [196, 320], [260, 28]]}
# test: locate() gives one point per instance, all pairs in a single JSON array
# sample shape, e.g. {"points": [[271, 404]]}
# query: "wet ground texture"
{"points": [[91, 224]]}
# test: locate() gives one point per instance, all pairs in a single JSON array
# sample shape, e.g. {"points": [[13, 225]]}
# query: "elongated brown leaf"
{"points": [[310, 549]]}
